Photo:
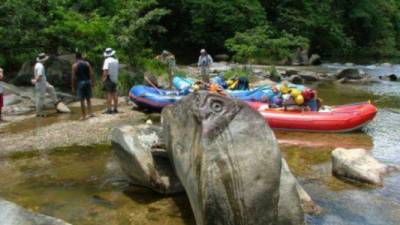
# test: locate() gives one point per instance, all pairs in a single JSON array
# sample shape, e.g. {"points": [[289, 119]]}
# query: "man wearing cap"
{"points": [[42, 86], [110, 80], [168, 58], [204, 63]]}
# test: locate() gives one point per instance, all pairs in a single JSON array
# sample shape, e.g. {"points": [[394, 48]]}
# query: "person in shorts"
{"points": [[110, 80], [82, 84], [204, 64]]}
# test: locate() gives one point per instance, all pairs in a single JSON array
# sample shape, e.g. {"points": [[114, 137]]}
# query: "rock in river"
{"points": [[290, 210], [359, 165], [12, 214], [350, 73], [226, 158], [141, 160]]}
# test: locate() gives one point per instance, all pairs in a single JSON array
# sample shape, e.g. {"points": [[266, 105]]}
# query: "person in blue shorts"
{"points": [[82, 83]]}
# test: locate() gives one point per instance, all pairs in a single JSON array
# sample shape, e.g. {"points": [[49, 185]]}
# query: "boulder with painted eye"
{"points": [[227, 159]]}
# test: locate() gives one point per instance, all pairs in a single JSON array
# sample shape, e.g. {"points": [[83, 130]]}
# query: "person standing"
{"points": [[42, 86], [204, 63], [1, 95], [82, 83], [168, 58], [110, 80]]}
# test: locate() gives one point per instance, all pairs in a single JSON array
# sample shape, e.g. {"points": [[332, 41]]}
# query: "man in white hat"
{"points": [[42, 86], [110, 80], [204, 63]]}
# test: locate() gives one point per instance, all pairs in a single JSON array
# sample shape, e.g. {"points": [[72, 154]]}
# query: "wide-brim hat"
{"points": [[109, 52], [42, 57]]}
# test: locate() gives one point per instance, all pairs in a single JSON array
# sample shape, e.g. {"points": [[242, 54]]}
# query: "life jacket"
{"points": [[308, 94]]}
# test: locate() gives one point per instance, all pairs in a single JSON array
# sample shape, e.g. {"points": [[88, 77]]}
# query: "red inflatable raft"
{"points": [[343, 118]]}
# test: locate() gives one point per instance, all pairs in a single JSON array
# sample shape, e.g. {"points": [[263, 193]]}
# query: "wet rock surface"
{"points": [[290, 205], [358, 165], [12, 214], [144, 163], [350, 73]]}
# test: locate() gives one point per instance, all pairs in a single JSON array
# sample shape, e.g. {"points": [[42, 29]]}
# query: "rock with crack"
{"points": [[358, 165], [290, 210], [141, 160], [226, 158], [12, 214]]}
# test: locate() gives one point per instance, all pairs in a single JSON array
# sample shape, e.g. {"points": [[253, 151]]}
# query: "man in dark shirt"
{"points": [[82, 84]]}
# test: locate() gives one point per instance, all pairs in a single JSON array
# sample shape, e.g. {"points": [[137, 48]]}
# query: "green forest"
{"points": [[249, 30]]}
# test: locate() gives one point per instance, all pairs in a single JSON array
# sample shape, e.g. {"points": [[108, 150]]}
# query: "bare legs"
{"points": [[112, 102], [86, 111]]}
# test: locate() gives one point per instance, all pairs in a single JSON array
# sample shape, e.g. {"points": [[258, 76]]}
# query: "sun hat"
{"points": [[109, 52], [42, 57]]}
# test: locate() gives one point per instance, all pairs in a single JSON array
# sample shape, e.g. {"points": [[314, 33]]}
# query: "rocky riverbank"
{"points": [[65, 133]]}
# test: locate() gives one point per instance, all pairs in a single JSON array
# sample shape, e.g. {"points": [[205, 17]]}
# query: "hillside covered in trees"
{"points": [[246, 29]]}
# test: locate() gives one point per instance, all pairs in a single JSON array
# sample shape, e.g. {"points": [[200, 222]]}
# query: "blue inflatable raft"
{"points": [[154, 99]]}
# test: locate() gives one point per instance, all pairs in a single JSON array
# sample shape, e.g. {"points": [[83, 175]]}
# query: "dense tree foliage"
{"points": [[260, 30]]}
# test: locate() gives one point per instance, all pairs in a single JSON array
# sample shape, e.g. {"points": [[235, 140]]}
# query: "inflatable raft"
{"points": [[154, 99], [257, 94], [344, 118]]}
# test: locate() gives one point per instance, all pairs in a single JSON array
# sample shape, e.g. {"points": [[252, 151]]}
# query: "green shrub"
{"points": [[238, 72], [264, 45]]}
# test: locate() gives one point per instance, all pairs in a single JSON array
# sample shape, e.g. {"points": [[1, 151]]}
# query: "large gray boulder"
{"points": [[226, 158], [58, 73], [142, 160], [12, 214], [358, 165]]}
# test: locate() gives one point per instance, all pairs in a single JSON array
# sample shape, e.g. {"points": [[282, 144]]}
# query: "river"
{"points": [[83, 186]]}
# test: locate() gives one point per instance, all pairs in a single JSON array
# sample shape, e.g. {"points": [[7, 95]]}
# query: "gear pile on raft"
{"points": [[284, 106]]}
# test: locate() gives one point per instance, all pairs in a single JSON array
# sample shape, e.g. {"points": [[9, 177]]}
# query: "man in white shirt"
{"points": [[42, 86], [110, 80], [204, 63]]}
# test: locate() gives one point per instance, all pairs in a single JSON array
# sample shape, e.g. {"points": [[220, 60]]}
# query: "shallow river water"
{"points": [[83, 186]]}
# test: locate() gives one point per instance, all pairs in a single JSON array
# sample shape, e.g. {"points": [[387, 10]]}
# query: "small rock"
{"points": [[62, 108], [359, 165], [296, 79], [391, 77], [350, 73]]}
